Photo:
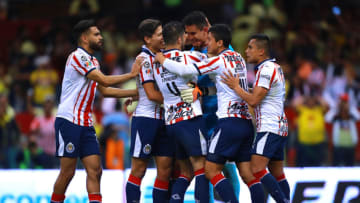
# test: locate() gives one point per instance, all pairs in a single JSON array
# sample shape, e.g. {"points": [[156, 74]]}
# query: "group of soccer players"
{"points": [[170, 76], [175, 122]]}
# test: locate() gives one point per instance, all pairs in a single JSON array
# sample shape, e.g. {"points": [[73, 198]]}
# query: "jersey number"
{"points": [[243, 83], [175, 91]]}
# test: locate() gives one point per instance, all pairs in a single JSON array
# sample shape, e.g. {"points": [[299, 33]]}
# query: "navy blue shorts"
{"points": [[231, 141], [189, 137], [269, 145], [74, 140], [149, 138]]}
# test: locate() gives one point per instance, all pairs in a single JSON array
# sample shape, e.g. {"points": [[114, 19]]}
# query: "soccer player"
{"points": [[234, 132], [267, 98], [75, 134], [148, 137], [197, 26], [183, 120]]}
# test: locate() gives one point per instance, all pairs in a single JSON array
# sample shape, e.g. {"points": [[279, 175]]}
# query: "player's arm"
{"points": [[108, 80], [176, 67], [253, 99], [152, 93], [116, 92]]}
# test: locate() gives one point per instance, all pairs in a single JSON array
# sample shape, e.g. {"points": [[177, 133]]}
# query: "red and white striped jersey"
{"points": [[171, 84], [77, 91], [146, 107], [229, 103], [269, 114]]}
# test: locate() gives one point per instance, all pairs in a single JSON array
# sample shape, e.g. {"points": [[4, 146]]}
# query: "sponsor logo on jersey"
{"points": [[265, 76]]}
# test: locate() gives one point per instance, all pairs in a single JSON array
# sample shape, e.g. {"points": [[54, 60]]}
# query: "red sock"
{"points": [[163, 185], [95, 198], [57, 197], [281, 177]]}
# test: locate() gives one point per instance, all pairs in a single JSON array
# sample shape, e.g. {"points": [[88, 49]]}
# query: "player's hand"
{"points": [[191, 94], [160, 57], [137, 66], [230, 80]]}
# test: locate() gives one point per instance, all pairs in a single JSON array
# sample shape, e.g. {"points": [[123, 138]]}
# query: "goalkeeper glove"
{"points": [[191, 94]]}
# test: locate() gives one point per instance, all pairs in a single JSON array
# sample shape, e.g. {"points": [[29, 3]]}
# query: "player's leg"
{"points": [[265, 146], [143, 132], [138, 169], [92, 165], [196, 146], [213, 172], [161, 185], [182, 182], [164, 152], [230, 173], [277, 170], [67, 137], [201, 182], [90, 157], [254, 184], [67, 171], [220, 149]]}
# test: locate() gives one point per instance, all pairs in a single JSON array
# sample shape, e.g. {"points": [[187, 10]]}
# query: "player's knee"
{"points": [[138, 171], [95, 173], [67, 174], [164, 173]]}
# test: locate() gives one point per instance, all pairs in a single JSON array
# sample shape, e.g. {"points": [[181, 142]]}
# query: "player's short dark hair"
{"points": [[221, 32], [82, 27], [172, 31], [263, 42], [197, 18], [147, 27]]}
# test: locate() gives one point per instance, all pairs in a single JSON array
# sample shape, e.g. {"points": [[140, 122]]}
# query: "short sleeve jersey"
{"points": [[146, 107], [269, 114], [77, 91], [229, 103], [171, 84]]}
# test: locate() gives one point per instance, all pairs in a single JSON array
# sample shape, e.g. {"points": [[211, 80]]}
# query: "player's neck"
{"points": [[173, 46], [152, 49], [261, 59], [86, 48]]}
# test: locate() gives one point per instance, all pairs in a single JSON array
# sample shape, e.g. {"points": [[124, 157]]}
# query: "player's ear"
{"points": [[147, 39], [206, 29], [220, 43]]}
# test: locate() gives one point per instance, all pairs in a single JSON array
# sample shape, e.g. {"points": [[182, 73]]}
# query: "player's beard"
{"points": [[96, 46]]}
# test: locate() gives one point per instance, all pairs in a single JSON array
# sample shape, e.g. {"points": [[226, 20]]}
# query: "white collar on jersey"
{"points": [[147, 51]]}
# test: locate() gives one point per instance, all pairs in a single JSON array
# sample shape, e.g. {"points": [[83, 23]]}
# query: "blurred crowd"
{"points": [[316, 43]]}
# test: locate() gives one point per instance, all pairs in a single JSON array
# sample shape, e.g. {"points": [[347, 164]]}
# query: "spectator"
{"points": [[31, 156], [42, 128], [9, 135], [121, 123], [114, 151], [344, 133], [311, 130], [43, 79]]}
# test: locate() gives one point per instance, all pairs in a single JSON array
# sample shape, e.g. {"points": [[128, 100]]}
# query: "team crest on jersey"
{"points": [[83, 58], [146, 64], [70, 148], [147, 149]]}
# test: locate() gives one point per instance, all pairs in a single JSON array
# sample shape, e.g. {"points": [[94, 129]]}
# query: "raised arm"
{"points": [[176, 67]]}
